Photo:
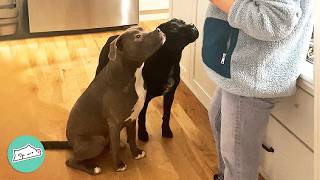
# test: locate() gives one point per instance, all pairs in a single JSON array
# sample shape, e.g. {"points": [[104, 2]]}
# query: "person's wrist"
{"points": [[224, 5]]}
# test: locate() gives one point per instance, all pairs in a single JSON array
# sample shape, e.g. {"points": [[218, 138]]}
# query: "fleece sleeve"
{"points": [[268, 20]]}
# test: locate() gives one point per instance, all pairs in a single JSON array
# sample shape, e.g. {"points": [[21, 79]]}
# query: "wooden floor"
{"points": [[41, 79]]}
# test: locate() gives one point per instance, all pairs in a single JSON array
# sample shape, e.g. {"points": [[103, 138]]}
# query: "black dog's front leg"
{"points": [[167, 104], [142, 131], [131, 133], [114, 133]]}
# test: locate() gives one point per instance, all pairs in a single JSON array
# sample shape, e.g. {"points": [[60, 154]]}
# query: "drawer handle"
{"points": [[268, 149]]}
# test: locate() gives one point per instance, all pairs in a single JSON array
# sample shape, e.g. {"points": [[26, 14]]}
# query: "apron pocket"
{"points": [[219, 42]]}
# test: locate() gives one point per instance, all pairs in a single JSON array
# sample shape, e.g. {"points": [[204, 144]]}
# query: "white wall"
{"points": [[153, 9], [153, 4]]}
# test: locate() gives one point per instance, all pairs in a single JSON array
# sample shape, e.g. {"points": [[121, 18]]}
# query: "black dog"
{"points": [[161, 72]]}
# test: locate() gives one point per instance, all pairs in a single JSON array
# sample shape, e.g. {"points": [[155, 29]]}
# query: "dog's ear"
{"points": [[115, 45], [120, 43]]}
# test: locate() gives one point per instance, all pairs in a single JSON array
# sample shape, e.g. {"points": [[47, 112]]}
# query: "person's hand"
{"points": [[223, 5]]}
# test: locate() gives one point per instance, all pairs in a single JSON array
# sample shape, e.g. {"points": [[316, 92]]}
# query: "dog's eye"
{"points": [[138, 36]]}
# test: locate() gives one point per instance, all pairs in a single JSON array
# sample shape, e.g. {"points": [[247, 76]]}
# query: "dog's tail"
{"points": [[56, 145]]}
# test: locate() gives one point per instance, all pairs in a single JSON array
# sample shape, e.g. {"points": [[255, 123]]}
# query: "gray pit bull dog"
{"points": [[112, 101]]}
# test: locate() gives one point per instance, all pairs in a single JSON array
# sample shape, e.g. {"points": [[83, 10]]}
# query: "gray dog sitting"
{"points": [[112, 101]]}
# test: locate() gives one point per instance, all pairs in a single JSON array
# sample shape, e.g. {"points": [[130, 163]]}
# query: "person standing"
{"points": [[252, 50]]}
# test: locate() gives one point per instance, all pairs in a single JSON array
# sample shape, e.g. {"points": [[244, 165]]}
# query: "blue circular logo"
{"points": [[26, 154]]}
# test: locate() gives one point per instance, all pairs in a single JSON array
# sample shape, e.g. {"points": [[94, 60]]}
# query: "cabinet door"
{"points": [[199, 76], [192, 72], [296, 113], [291, 160], [185, 10]]}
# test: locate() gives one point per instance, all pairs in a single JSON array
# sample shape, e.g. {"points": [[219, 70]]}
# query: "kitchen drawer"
{"points": [[296, 113], [291, 160]]}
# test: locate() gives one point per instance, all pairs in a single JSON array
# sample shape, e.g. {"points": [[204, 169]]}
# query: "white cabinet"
{"points": [[290, 134], [192, 72], [296, 113], [291, 160], [184, 10], [290, 129]]}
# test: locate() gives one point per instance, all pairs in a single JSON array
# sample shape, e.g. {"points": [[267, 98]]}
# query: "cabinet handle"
{"points": [[268, 149]]}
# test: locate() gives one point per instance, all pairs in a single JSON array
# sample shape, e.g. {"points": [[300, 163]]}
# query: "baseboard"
{"points": [[198, 92]]}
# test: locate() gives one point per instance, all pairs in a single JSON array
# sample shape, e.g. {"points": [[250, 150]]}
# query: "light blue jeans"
{"points": [[238, 124]]}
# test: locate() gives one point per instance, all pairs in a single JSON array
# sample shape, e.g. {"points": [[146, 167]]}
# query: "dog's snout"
{"points": [[160, 34], [158, 30]]}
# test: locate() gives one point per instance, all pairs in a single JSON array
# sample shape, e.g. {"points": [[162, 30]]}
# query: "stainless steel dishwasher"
{"points": [[63, 15]]}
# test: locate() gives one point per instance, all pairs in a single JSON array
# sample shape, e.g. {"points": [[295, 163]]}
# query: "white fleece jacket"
{"points": [[256, 49]]}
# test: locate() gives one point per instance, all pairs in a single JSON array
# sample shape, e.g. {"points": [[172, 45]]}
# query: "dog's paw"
{"points": [[88, 168], [167, 133], [141, 155], [122, 167], [97, 170], [143, 136]]}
